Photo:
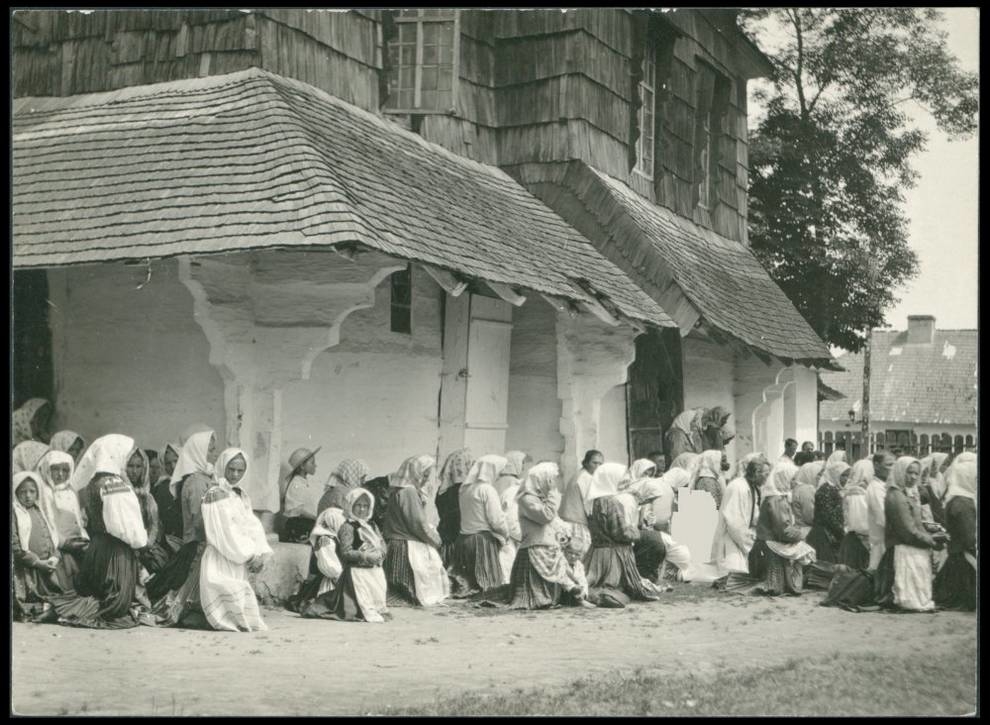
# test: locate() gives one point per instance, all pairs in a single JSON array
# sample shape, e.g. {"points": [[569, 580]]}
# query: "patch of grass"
{"points": [[943, 683]]}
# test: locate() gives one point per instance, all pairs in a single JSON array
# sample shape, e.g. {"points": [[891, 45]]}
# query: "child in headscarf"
{"points": [[413, 567], [475, 563], [236, 544], [455, 470], [361, 592], [955, 584], [38, 569], [541, 573]]}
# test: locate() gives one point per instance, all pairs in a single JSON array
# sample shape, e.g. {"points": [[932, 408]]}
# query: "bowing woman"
{"points": [[955, 585], [413, 567], [108, 575], [235, 545]]}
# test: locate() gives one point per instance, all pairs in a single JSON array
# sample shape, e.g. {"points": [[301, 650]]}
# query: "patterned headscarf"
{"points": [[485, 470], [834, 471], [540, 480], [605, 481], [107, 454], [23, 417], [960, 479], [27, 454], [65, 439], [455, 469], [413, 472], [192, 459], [350, 473]]}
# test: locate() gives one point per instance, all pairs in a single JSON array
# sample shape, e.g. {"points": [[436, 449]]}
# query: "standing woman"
{"points": [[475, 563], [413, 567], [108, 576], [455, 470], [31, 421], [612, 563], [69, 442], [235, 545], [61, 504], [541, 572], [904, 577], [176, 586], [361, 591], [955, 585], [39, 571], [779, 554], [26, 455], [854, 551], [827, 531]]}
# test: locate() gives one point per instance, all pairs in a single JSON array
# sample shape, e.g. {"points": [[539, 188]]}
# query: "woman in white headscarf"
{"points": [[955, 584], [68, 441], [803, 488], [708, 475], [779, 554], [157, 554], [612, 573], [26, 455], [637, 488], [827, 530], [541, 573], [175, 589], [61, 504], [235, 545], [361, 591], [507, 486], [324, 564], [475, 564], [108, 576], [904, 576], [39, 570], [413, 567], [854, 551]]}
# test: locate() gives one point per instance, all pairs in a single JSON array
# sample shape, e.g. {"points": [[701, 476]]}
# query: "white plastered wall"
{"points": [[709, 373]]}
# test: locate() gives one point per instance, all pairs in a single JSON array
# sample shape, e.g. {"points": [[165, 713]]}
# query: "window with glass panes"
{"points": [[422, 60], [647, 115]]}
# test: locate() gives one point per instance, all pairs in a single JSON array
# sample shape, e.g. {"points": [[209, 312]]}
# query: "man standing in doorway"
{"points": [[876, 492]]}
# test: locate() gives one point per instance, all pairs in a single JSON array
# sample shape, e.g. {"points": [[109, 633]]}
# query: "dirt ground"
{"points": [[307, 667]]}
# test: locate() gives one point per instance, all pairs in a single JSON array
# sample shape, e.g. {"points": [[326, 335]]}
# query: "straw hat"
{"points": [[299, 457]]}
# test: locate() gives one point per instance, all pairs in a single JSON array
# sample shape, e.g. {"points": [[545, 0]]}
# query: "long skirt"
{"points": [[853, 552], [175, 572], [475, 565], [955, 584], [228, 601], [182, 606], [530, 590], [33, 592], [109, 574], [449, 510], [415, 574], [614, 567], [360, 596], [782, 576], [650, 552], [826, 548], [904, 579]]}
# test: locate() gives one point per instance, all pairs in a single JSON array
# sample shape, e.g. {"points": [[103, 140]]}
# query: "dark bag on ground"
{"points": [[851, 589]]}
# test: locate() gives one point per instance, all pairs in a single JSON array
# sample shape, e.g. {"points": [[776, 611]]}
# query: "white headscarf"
{"points": [[55, 458], [637, 471], [107, 454], [485, 470], [64, 440], [21, 514], [540, 480], [837, 456], [960, 478], [676, 478], [709, 465], [605, 481], [327, 524], [369, 534], [779, 481], [220, 467], [61, 497], [192, 459], [834, 471], [26, 455]]}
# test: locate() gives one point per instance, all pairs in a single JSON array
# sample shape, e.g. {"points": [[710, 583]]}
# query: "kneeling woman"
{"points": [[475, 562], [779, 554], [612, 563], [541, 573], [854, 551], [108, 575], [235, 545], [413, 567], [360, 593], [955, 585]]}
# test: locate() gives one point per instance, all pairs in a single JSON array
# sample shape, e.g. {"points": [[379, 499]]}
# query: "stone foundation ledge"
{"points": [[282, 574]]}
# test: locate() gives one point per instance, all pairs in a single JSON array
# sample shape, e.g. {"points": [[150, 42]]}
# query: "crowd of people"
{"points": [[111, 535]]}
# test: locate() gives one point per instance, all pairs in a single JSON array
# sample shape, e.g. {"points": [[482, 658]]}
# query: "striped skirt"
{"points": [[475, 564], [614, 567]]}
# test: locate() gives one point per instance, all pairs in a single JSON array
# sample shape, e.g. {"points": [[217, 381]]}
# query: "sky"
{"points": [[943, 207]]}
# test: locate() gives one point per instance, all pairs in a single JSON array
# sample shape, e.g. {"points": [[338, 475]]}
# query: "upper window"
{"points": [[422, 61], [401, 301], [711, 102], [647, 115]]}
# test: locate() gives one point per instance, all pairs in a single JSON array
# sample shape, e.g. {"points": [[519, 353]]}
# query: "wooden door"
{"points": [[655, 392], [487, 404], [33, 375]]}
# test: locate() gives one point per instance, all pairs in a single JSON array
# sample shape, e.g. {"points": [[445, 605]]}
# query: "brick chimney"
{"points": [[921, 329]]}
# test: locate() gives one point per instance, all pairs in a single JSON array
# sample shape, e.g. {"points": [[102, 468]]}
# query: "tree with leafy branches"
{"points": [[831, 159]]}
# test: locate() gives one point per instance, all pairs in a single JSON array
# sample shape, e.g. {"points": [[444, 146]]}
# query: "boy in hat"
{"points": [[302, 496]]}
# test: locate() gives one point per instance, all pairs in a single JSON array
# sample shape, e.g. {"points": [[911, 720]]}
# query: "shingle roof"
{"points": [[253, 160], [680, 264], [910, 383]]}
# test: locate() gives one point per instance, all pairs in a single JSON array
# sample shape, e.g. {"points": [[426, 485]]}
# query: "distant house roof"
{"points": [[691, 271], [910, 383], [252, 160]]}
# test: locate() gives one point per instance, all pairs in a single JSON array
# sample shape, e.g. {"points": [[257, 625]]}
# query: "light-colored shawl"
{"points": [[960, 478], [414, 472], [55, 458], [640, 469], [540, 480], [27, 454], [327, 524], [65, 439], [605, 481], [709, 466], [23, 516], [834, 471], [838, 455], [455, 469], [23, 417], [899, 472], [859, 478], [937, 476], [685, 461], [676, 478], [516, 461], [192, 459], [107, 454], [485, 470], [193, 430], [369, 534], [61, 496], [809, 474], [779, 481]]}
